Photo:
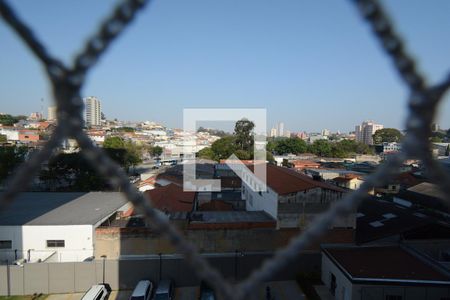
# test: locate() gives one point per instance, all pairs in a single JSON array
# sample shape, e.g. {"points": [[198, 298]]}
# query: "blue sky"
{"points": [[312, 63]]}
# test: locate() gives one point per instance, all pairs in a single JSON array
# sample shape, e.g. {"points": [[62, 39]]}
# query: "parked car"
{"points": [[142, 291], [96, 292], [206, 292], [164, 290]]}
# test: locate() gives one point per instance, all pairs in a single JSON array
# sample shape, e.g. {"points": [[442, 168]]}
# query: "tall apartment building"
{"points": [[273, 132], [92, 111], [280, 129], [51, 113], [364, 132]]}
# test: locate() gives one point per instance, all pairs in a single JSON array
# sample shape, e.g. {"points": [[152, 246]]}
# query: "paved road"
{"points": [[281, 290]]}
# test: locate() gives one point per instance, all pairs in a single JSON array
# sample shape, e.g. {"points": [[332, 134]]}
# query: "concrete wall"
{"points": [[79, 243], [114, 242], [50, 278]]}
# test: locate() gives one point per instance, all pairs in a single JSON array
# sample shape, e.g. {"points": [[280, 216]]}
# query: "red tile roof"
{"points": [[385, 263], [171, 198], [285, 181]]}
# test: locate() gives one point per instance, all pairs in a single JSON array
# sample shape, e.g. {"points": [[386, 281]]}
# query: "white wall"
{"points": [[342, 283], [79, 243], [266, 201]]}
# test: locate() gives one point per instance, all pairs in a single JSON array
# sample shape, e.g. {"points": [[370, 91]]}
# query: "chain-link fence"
{"points": [[66, 82]]}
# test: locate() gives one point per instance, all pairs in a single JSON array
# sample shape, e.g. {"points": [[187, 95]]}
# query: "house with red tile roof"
{"points": [[294, 199], [171, 198]]}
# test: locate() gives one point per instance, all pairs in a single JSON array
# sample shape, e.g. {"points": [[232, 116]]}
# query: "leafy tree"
{"points": [[115, 142], [270, 158], [224, 147], [156, 151], [242, 154], [291, 145], [10, 158], [126, 153], [243, 132], [388, 135], [124, 129], [206, 153], [436, 139], [3, 138], [321, 148], [72, 172], [8, 120]]}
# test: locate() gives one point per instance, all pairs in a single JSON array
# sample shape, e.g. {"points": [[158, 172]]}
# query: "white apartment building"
{"points": [[293, 199], [93, 113], [364, 132], [55, 227], [51, 113]]}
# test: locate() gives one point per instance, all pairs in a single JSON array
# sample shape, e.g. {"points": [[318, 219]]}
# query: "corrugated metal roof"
{"points": [[61, 208]]}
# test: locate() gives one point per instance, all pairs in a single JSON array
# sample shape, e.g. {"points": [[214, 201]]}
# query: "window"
{"points": [[99, 296], [55, 243], [394, 297], [5, 244], [333, 284]]}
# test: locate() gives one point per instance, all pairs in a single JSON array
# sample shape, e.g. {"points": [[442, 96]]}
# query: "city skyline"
{"points": [[169, 60]]}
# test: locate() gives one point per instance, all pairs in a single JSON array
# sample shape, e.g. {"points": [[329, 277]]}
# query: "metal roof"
{"points": [[39, 208]]}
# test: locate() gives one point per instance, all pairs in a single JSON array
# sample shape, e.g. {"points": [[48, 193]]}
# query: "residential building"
{"points": [[280, 129], [92, 111], [300, 165], [364, 132], [51, 113], [35, 116], [325, 132], [382, 272], [293, 199], [348, 181], [273, 132], [55, 227]]}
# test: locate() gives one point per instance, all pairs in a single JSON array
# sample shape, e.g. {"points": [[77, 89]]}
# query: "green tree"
{"points": [[10, 158], [224, 147], [270, 158], [73, 172], [3, 138], [126, 153], [291, 145], [156, 151], [388, 135], [206, 153], [243, 131], [8, 120], [321, 148], [243, 155], [115, 142]]}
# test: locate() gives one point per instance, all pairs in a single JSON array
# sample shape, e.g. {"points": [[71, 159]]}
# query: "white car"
{"points": [[96, 292]]}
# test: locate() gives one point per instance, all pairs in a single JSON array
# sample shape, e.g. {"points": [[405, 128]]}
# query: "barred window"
{"points": [[55, 243]]}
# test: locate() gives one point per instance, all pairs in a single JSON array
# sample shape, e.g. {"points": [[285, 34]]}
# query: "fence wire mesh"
{"points": [[67, 81]]}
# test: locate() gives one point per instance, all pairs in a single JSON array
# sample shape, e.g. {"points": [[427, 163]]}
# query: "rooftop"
{"points": [[377, 219], [61, 208], [287, 181], [376, 264], [171, 198]]}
